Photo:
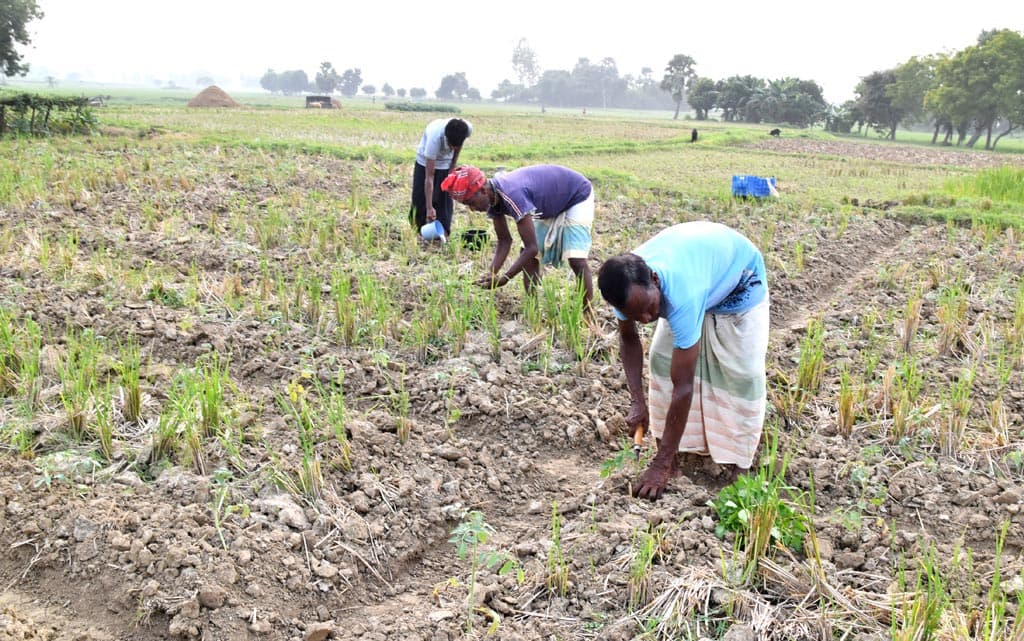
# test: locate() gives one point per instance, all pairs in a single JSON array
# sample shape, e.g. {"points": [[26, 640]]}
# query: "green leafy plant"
{"points": [[744, 506], [221, 506], [623, 457], [309, 480], [468, 537]]}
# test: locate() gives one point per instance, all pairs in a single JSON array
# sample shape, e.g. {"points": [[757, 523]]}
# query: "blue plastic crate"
{"points": [[756, 186]]}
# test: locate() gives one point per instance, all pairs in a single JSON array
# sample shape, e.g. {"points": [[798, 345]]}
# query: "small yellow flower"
{"points": [[296, 391]]}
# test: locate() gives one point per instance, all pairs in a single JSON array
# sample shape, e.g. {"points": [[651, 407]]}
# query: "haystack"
{"points": [[212, 96]]}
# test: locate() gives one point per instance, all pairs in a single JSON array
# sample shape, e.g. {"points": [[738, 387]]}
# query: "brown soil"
{"points": [[212, 96], [891, 152], [97, 553]]}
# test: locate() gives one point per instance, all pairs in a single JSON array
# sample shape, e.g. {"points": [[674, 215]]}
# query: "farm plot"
{"points": [[240, 399]]}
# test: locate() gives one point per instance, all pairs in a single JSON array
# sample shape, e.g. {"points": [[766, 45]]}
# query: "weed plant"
{"points": [[845, 404], [911, 321], [811, 366], [468, 537], [755, 509], [129, 371], [920, 617], [644, 548], [79, 376], [558, 566], [309, 479], [958, 404], [221, 506]]}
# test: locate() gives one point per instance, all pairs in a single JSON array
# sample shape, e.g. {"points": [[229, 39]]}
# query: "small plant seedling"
{"points": [[220, 506], [623, 457], [468, 536]]}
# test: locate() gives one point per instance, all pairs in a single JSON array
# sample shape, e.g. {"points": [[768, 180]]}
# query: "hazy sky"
{"points": [[415, 43]]}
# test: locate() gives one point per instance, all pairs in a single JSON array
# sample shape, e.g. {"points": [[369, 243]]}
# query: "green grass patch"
{"points": [[1002, 184]]}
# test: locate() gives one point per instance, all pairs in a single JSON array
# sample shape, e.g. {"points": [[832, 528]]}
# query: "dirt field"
{"points": [[93, 553]]}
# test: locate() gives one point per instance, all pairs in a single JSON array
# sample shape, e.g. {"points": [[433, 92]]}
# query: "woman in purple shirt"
{"points": [[553, 209]]}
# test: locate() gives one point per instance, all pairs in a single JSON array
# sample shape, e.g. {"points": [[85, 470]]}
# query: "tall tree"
{"points": [[678, 74], [703, 96], [874, 97], [350, 81], [913, 80], [453, 86], [524, 62], [14, 16], [597, 84], [271, 81], [1008, 47], [554, 88], [327, 79], [293, 82], [734, 93]]}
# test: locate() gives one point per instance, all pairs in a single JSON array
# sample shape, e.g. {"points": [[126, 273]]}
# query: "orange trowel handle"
{"points": [[638, 440]]}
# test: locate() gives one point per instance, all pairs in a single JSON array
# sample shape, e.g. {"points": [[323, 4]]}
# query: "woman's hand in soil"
{"points": [[652, 482], [638, 417], [491, 281]]}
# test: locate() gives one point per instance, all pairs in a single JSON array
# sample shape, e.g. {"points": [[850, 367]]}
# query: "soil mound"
{"points": [[212, 96]]}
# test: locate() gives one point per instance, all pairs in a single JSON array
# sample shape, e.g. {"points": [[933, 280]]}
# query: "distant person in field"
{"points": [[553, 210], [705, 285], [693, 136], [436, 154]]}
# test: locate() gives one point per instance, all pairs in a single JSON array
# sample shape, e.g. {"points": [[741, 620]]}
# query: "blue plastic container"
{"points": [[756, 186]]}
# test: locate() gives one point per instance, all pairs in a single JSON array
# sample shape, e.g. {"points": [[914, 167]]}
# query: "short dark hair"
{"points": [[618, 274], [456, 132]]}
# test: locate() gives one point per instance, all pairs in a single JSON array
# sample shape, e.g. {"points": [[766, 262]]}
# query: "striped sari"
{"points": [[727, 412]]}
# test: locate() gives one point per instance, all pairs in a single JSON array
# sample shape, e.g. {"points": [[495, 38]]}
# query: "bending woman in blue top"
{"points": [[705, 284]]}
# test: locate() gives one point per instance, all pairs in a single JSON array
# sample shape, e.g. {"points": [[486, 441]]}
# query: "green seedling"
{"points": [[558, 566], [811, 366], [922, 614], [129, 370], [221, 507], [344, 307], [845, 404], [648, 544], [310, 476], [336, 418], [952, 312], [625, 456], [911, 321], [756, 509], [468, 537], [958, 403], [79, 375]]}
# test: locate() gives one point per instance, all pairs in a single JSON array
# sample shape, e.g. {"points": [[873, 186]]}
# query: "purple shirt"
{"points": [[543, 191]]}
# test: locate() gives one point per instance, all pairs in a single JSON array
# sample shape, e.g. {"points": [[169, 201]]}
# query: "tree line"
{"points": [[975, 92], [964, 96]]}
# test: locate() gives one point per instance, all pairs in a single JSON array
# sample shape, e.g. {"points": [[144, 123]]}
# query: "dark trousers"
{"points": [[443, 205]]}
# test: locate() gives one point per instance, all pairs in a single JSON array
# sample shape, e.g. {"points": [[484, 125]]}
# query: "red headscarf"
{"points": [[464, 182]]}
